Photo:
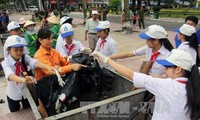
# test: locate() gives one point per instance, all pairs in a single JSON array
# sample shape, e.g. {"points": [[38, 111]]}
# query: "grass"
{"points": [[179, 13]]}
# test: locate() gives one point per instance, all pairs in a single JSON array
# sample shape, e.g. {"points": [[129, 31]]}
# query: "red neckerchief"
{"points": [[182, 81], [69, 48], [102, 44], [19, 68], [154, 55]]}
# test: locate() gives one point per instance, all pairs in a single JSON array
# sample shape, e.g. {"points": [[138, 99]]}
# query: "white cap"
{"points": [[187, 30], [178, 58], [65, 18], [94, 12], [155, 32], [14, 41], [13, 26], [66, 30], [102, 25]]}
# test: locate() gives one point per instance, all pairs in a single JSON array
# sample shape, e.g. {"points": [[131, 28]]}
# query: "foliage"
{"points": [[156, 8], [115, 5]]}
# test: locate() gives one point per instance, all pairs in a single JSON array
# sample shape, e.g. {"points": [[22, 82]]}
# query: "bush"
{"points": [[156, 8]]}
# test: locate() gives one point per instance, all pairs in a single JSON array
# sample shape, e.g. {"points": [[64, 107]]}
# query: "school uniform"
{"points": [[156, 68], [170, 96], [186, 47], [107, 47], [15, 91], [66, 50]]}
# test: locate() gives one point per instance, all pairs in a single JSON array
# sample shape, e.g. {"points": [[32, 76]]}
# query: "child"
{"points": [[50, 56], [158, 47], [13, 29], [177, 96], [105, 44], [69, 46], [134, 20], [188, 39], [16, 74]]}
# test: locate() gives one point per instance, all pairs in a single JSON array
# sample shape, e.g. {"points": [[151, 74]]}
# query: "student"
{"points": [[49, 56], [187, 36], [30, 37], [69, 46], [16, 74], [13, 29], [54, 27], [178, 95], [63, 20], [158, 47], [134, 20], [105, 44], [190, 20]]}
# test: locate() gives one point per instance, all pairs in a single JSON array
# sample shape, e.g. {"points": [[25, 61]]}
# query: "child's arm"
{"points": [[43, 66], [27, 79]]}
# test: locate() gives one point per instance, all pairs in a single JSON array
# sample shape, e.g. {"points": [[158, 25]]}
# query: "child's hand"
{"points": [[30, 79]]}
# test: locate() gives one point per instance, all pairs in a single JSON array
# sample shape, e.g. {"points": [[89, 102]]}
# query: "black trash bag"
{"points": [[94, 77], [71, 90], [47, 90]]}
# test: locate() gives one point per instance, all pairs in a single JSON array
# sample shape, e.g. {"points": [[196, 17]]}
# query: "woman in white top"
{"points": [[178, 95], [187, 36], [158, 47], [16, 74]]}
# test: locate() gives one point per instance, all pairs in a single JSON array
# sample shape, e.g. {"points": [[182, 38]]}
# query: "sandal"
{"points": [[2, 101]]}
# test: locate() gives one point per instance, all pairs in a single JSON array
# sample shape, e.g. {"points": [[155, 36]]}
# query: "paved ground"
{"points": [[126, 42]]}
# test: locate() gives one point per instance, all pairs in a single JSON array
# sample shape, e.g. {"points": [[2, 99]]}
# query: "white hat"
{"points": [[179, 58], [155, 32], [22, 21], [53, 19], [66, 30], [14, 41], [186, 29], [64, 19], [28, 22], [102, 25], [13, 26], [94, 12]]}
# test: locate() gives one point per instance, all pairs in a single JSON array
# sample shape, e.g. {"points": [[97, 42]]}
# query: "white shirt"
{"points": [[170, 96], [60, 47], [91, 25], [109, 48], [15, 91], [59, 42], [186, 47], [156, 69], [5, 51]]}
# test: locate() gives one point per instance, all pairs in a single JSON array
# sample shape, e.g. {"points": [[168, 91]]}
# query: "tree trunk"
{"points": [[23, 4], [133, 6], [159, 1], [84, 11], [126, 10], [139, 3]]}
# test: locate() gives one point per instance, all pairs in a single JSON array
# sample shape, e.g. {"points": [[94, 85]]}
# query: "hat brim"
{"points": [[177, 30], [17, 45], [144, 36], [14, 28], [67, 34], [99, 29], [165, 63]]}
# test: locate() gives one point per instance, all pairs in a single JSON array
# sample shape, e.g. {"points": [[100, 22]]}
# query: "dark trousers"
{"points": [[141, 21], [15, 105]]}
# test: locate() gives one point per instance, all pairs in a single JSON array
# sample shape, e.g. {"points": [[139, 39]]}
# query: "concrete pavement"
{"points": [[126, 42]]}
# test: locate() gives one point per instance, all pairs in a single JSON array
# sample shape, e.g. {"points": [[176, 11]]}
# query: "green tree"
{"points": [[115, 5]]}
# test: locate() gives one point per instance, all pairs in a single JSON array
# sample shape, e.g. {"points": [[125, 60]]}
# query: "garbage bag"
{"points": [[47, 90]]}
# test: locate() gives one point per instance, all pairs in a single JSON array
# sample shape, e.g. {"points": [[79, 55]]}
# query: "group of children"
{"points": [[173, 76]]}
